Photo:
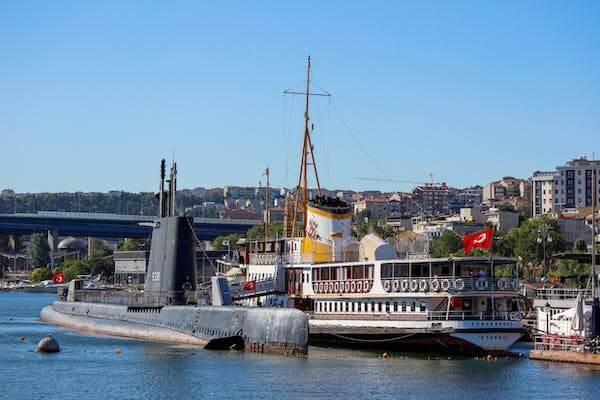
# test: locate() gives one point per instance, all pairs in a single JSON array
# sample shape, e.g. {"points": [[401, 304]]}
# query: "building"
{"points": [[507, 187], [542, 186], [569, 187], [130, 267], [237, 192], [431, 199], [376, 207]]}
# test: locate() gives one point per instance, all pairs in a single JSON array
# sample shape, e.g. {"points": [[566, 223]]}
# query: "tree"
{"points": [[100, 249], [448, 244], [39, 250], [524, 240], [218, 244], [73, 268], [41, 274], [104, 267], [579, 246], [130, 244], [258, 231]]}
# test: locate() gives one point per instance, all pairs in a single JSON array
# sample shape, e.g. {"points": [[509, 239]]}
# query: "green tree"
{"points": [[41, 274], [258, 231], [527, 241], [218, 244], [100, 249], [131, 244], [104, 267], [72, 268], [579, 246], [39, 250], [449, 243]]}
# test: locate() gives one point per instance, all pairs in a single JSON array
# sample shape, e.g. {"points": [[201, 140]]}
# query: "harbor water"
{"points": [[95, 367]]}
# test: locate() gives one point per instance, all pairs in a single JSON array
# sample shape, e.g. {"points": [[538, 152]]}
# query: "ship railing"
{"points": [[117, 297], [262, 287], [451, 284], [420, 316], [555, 293], [342, 286], [558, 343]]}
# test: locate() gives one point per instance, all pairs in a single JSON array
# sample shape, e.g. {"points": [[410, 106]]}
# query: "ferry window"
{"points": [[372, 306], [413, 307], [387, 270], [315, 274], [324, 274], [380, 307], [369, 271], [395, 306], [347, 273], [403, 306], [358, 272], [333, 274], [422, 306], [387, 306]]}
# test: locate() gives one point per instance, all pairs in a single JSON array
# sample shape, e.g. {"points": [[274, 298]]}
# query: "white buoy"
{"points": [[48, 345]]}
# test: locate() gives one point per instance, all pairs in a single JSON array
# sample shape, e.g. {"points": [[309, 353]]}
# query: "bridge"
{"points": [[109, 225]]}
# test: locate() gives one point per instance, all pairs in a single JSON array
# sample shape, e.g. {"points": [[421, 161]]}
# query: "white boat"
{"points": [[360, 294]]}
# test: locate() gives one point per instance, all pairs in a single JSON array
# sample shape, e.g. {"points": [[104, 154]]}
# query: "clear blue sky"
{"points": [[93, 94]]}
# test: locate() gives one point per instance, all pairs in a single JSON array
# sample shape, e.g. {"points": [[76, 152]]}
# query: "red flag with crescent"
{"points": [[249, 286], [58, 277], [478, 240]]}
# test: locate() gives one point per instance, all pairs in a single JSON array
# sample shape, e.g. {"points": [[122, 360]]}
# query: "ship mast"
{"points": [[267, 217], [301, 193]]}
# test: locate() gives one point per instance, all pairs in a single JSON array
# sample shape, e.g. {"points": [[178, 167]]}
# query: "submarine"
{"points": [[167, 310]]}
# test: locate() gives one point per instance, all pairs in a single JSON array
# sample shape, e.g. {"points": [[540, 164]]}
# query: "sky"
{"points": [[94, 94]]}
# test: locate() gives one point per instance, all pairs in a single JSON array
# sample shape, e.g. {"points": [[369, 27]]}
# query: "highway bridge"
{"points": [[109, 225]]}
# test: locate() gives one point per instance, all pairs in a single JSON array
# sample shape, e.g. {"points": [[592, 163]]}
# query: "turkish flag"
{"points": [[249, 286], [478, 240], [58, 277]]}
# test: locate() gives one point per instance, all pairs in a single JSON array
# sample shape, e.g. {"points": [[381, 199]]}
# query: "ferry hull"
{"points": [[419, 342], [452, 337], [279, 331]]}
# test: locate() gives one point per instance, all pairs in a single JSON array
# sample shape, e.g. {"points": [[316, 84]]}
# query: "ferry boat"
{"points": [[361, 294]]}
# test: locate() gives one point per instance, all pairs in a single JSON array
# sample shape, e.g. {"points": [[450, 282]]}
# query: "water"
{"points": [[88, 368]]}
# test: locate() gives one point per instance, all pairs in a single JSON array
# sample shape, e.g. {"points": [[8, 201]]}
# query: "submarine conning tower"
{"points": [[171, 273]]}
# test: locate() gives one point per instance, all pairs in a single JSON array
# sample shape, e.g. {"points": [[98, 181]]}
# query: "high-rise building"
{"points": [[569, 187]]}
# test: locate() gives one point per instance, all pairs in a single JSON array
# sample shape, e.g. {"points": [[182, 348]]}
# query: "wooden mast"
{"points": [[301, 195]]}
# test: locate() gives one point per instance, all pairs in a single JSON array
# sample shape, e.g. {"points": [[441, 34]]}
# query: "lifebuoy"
{"points": [[330, 287], [435, 285], [396, 285], [359, 286], [347, 285], [315, 288], [386, 285], [445, 285], [423, 285], [502, 284], [366, 286], [321, 287], [459, 284], [353, 287], [414, 285], [336, 287], [405, 285], [481, 284]]}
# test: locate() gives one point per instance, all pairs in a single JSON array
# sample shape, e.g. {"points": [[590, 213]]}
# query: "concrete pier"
{"points": [[565, 356]]}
